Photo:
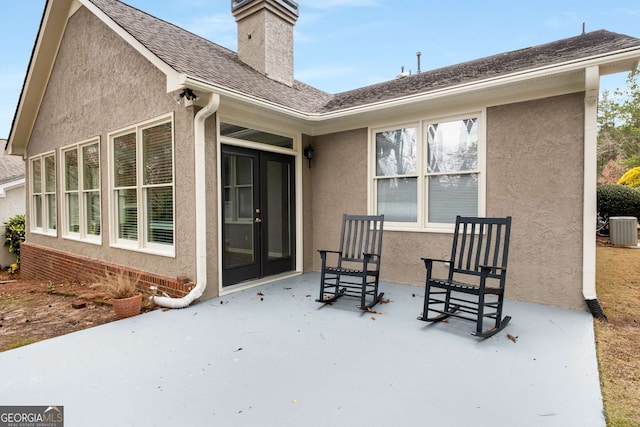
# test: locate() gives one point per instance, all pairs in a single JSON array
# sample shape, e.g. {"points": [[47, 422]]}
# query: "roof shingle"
{"points": [[204, 60]]}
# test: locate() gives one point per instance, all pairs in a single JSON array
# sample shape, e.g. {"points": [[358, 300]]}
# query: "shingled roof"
{"points": [[11, 167], [204, 60], [213, 64]]}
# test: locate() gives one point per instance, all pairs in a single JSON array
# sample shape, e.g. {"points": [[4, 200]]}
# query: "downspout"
{"points": [[589, 214], [201, 210]]}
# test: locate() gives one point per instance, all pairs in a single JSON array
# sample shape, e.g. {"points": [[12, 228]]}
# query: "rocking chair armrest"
{"points": [[431, 260], [328, 251], [324, 252], [488, 268]]}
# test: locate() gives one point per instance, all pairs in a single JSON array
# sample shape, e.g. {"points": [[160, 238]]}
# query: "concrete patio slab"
{"points": [[281, 359]]}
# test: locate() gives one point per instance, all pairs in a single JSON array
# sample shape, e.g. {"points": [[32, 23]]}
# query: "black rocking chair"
{"points": [[353, 270], [480, 249]]}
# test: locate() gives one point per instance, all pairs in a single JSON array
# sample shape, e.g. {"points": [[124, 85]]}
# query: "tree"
{"points": [[619, 126], [631, 178]]}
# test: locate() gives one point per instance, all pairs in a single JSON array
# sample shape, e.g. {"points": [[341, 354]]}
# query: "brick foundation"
{"points": [[50, 265]]}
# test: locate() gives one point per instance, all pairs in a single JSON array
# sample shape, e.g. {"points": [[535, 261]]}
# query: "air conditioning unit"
{"points": [[623, 230]]}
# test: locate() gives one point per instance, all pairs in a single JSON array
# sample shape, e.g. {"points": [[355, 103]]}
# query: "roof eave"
{"points": [[614, 62], [45, 51], [48, 41]]}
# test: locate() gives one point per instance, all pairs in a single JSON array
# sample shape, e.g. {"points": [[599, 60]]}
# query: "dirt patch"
{"points": [[33, 311]]}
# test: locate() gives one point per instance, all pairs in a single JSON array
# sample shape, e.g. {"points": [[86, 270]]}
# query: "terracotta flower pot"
{"points": [[127, 307]]}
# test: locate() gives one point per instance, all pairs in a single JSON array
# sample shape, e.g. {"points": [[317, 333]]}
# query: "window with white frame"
{"points": [[428, 172], [81, 188], [43, 194], [143, 186]]}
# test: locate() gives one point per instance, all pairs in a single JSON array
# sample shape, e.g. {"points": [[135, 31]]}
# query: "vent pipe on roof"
{"points": [[402, 73], [418, 54]]}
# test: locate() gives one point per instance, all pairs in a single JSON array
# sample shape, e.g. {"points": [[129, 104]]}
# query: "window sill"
{"points": [[169, 253], [97, 242], [415, 229], [53, 233]]}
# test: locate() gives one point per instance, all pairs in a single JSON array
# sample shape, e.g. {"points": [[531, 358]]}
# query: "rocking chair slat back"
{"points": [[480, 242], [360, 235]]}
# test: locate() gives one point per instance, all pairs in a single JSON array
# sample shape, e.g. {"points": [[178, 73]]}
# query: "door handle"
{"points": [[258, 220]]}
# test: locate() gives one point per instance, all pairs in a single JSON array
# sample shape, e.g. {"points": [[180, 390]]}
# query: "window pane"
{"points": [[124, 156], [36, 173], [245, 202], [158, 155], [396, 152], [278, 208], [451, 195], [244, 170], [127, 214], [73, 213], [92, 207], [91, 167], [71, 170], [160, 208], [397, 199], [50, 174], [51, 209], [37, 207], [247, 134], [453, 146]]}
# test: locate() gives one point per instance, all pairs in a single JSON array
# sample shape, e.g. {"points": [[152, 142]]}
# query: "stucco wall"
{"points": [[536, 160], [534, 174], [100, 84]]}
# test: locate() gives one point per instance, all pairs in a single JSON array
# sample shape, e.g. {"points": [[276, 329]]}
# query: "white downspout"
{"points": [[592, 88], [201, 209]]}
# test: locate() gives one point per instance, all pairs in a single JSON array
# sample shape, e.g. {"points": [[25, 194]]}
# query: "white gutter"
{"points": [[592, 88], [201, 210]]}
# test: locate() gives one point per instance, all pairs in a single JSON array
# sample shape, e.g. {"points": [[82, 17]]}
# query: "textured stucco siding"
{"points": [[534, 173], [535, 157], [99, 84], [265, 42]]}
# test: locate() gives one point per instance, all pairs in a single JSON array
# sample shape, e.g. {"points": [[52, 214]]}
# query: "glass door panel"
{"points": [[259, 220], [239, 258]]}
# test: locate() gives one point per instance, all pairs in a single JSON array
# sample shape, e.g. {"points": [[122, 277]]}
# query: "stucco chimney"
{"points": [[265, 36]]}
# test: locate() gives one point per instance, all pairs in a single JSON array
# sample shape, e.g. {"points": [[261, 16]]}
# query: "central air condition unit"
{"points": [[623, 230]]}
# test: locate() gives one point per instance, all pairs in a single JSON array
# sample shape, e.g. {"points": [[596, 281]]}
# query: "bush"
{"points": [[14, 235], [618, 200], [631, 178]]}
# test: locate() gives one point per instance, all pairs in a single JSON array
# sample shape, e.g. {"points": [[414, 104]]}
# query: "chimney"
{"points": [[265, 36]]}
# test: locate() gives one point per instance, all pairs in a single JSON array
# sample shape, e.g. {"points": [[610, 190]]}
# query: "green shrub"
{"points": [[631, 178], [618, 200], [14, 235]]}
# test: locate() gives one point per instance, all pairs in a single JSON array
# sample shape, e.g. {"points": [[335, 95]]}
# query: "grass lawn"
{"points": [[618, 341]]}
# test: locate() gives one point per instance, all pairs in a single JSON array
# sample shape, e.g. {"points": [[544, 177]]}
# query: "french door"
{"points": [[258, 214]]}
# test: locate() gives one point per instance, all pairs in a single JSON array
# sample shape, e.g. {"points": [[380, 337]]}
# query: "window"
{"points": [[240, 132], [43, 194], [427, 173], [238, 188], [396, 174], [143, 187], [81, 188]]}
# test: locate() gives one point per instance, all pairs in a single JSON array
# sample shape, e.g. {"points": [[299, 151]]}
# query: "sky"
{"points": [[346, 44]]}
